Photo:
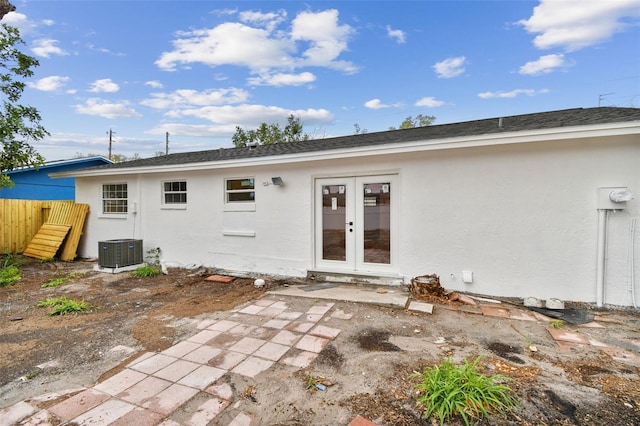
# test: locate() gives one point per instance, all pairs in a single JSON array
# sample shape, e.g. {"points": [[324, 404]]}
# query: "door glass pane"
{"points": [[333, 222], [377, 222]]}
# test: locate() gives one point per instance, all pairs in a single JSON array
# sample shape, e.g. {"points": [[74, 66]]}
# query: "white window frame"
{"points": [[239, 205], [116, 200], [174, 204]]}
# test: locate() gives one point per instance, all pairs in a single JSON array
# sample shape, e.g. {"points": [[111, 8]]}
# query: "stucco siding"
{"points": [[521, 217]]}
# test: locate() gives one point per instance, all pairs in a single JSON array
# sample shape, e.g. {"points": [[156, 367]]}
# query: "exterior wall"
{"points": [[33, 184], [522, 218]]}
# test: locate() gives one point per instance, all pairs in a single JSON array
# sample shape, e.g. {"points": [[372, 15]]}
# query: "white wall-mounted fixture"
{"points": [[608, 199], [467, 277], [613, 198], [277, 181]]}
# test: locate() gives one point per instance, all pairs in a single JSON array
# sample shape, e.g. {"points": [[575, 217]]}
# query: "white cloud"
{"points": [[326, 37], [377, 104], [253, 115], [512, 93], [450, 67], [267, 20], [573, 25], [154, 83], [49, 84], [231, 44], [187, 98], [19, 20], [24, 24], [95, 48], [399, 35], [262, 48], [195, 130], [104, 85], [102, 108], [47, 47], [282, 79], [429, 101], [544, 65]]}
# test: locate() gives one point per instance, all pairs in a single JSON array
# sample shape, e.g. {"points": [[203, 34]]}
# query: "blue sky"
{"points": [[198, 69]]}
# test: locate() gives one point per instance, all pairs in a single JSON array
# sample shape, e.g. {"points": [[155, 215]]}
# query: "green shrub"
{"points": [[9, 275], [63, 305], [447, 390], [146, 271]]}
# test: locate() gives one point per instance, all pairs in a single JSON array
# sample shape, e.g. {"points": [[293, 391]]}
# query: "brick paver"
{"points": [[252, 366], [121, 381], [78, 404], [151, 387], [105, 413]]}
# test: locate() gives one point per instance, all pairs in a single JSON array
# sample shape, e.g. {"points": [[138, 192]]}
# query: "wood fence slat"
{"points": [[20, 221], [73, 214], [47, 241]]}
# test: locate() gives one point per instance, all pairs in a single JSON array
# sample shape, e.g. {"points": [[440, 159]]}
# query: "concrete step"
{"points": [[355, 278]]}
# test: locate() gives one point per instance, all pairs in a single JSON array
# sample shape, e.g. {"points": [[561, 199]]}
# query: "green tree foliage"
{"points": [[358, 130], [419, 121], [19, 124], [267, 134]]}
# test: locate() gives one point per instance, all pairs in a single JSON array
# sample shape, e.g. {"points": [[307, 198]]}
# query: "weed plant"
{"points": [[146, 271], [55, 282], [9, 275], [63, 305], [558, 323], [153, 257], [11, 259], [448, 390]]}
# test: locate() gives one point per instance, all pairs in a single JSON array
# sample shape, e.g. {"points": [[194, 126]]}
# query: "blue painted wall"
{"points": [[31, 184]]}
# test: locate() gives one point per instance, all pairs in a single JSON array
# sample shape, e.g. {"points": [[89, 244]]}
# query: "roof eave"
{"points": [[518, 137]]}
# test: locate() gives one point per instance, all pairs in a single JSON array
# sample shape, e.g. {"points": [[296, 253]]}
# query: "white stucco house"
{"points": [[508, 206]]}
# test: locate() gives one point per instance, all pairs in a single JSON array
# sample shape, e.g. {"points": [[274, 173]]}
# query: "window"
{"points": [[240, 190], [114, 198], [175, 192]]}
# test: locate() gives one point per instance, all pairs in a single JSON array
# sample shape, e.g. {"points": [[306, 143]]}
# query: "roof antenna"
{"points": [[601, 97]]}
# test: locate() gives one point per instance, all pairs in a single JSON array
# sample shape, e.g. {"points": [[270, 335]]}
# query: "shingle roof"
{"points": [[536, 121]]}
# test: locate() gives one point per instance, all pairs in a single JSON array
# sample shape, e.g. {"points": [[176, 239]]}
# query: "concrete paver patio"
{"points": [[153, 386]]}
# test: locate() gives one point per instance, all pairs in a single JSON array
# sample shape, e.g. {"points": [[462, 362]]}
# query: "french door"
{"points": [[355, 223]]}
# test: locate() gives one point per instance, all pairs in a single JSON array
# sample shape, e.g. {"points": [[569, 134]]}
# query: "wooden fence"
{"points": [[20, 221]]}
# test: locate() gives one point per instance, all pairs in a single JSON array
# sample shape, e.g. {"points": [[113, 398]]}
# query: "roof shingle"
{"points": [[535, 121]]}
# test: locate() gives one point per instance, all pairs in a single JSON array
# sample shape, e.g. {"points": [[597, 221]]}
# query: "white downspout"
{"points": [[632, 263], [602, 247], [608, 199]]}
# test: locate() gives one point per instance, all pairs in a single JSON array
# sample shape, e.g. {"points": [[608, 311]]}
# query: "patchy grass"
{"points": [[448, 390], [10, 259], [558, 323], [63, 305], [146, 271], [9, 275], [55, 282]]}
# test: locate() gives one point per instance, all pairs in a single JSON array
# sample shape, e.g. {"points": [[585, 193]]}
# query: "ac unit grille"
{"points": [[119, 253]]}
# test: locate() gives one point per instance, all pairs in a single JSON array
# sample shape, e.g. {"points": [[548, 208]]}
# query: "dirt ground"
{"points": [[367, 366]]}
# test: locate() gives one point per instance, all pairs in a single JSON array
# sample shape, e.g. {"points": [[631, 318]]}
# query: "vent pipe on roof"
{"points": [[500, 122]]}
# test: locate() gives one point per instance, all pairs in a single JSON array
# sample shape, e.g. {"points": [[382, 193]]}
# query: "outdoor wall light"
{"points": [[277, 181]]}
